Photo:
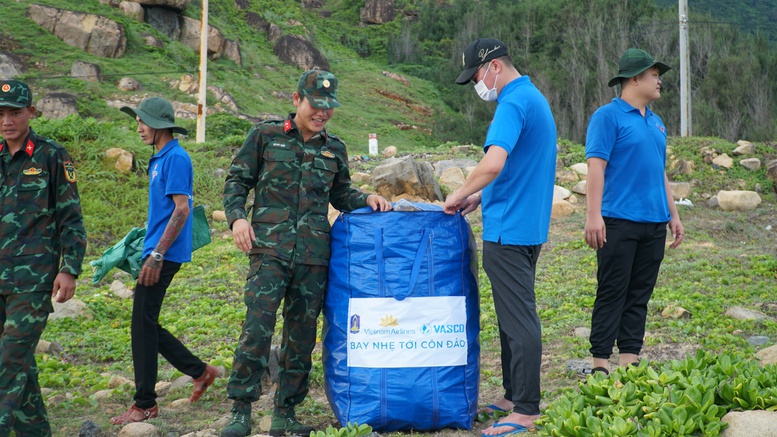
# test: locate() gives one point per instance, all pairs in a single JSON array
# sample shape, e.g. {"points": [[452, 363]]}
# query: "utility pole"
{"points": [[203, 90], [685, 72]]}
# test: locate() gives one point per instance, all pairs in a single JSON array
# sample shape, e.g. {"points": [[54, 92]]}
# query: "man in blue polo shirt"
{"points": [[168, 244], [515, 179], [629, 206]]}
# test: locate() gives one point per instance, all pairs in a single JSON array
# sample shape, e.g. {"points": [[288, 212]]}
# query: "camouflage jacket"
{"points": [[293, 182], [41, 227]]}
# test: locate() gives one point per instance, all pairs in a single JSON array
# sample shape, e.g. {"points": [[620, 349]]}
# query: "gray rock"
{"points": [[723, 161], [71, 309], [164, 20], [758, 340], [565, 176], [740, 313], [579, 366], [441, 166], [175, 5], [771, 170], [713, 202], [10, 65], [274, 32], [581, 187], [232, 52], [738, 200], [750, 424], [296, 50], [581, 169], [680, 190], [752, 164], [86, 71], [92, 33], [401, 79], [582, 332], [90, 429], [744, 148], [560, 193], [132, 10], [224, 97], [310, 4], [377, 12], [57, 105], [360, 178], [398, 176], [675, 312], [128, 84], [257, 22], [190, 37], [151, 40], [242, 4]]}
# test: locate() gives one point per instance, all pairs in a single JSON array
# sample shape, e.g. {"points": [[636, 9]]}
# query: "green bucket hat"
{"points": [[15, 93], [633, 62], [156, 113], [320, 87]]}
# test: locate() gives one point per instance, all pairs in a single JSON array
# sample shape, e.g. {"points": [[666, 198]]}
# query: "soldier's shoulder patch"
{"points": [[70, 171], [333, 137]]}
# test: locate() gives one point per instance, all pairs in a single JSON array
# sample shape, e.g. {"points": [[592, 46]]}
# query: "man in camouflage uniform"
{"points": [[42, 245], [296, 168]]}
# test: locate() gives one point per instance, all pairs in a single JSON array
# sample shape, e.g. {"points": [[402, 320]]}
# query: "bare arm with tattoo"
{"points": [[149, 273]]}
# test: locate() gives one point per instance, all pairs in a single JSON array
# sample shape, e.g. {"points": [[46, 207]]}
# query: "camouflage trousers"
{"points": [[22, 320], [301, 287]]}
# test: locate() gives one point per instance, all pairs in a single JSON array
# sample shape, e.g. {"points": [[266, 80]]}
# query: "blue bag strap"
{"points": [[419, 257]]}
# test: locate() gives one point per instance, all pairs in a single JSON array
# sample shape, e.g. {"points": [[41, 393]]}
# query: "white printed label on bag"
{"points": [[415, 332]]}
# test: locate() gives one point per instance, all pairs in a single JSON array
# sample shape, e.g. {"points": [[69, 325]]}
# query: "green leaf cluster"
{"points": [[350, 430], [687, 397]]}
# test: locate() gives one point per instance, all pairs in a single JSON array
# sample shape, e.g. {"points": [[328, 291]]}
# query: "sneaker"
{"points": [[135, 414], [287, 424], [239, 425], [203, 382]]}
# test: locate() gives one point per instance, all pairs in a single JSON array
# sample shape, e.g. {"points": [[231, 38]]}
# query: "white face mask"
{"points": [[489, 95]]}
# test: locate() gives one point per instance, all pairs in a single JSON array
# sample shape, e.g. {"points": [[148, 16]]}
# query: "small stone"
{"points": [[90, 429], [360, 178], [139, 429], [219, 216], [743, 148], [220, 173], [464, 150], [564, 176], [738, 200], [103, 395], [128, 84], [758, 340], [582, 332], [42, 347], [578, 366], [265, 422], [180, 404], [560, 193], [120, 290], [723, 161], [117, 381], [680, 190], [572, 199], [713, 202], [561, 208], [752, 164], [740, 313], [580, 188], [162, 388], [181, 381], [767, 355], [389, 151], [675, 312], [581, 169], [750, 423]]}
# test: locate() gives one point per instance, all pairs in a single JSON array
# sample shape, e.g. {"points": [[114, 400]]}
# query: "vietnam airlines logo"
{"points": [[389, 320]]}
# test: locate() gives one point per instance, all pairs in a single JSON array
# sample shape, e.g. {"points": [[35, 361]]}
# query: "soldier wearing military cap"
{"points": [[296, 168], [42, 245]]}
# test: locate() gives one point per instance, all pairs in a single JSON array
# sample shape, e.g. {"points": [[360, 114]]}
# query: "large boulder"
{"points": [[224, 97], [10, 65], [57, 105], [190, 37], [771, 170], [164, 20], [257, 22], [744, 148], [86, 71], [92, 33], [398, 176], [132, 10], [738, 200], [175, 5], [453, 178], [445, 164], [752, 164], [377, 12], [232, 52], [723, 161], [295, 50]]}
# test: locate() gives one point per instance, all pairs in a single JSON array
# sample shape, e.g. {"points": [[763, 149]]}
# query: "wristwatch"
{"points": [[157, 256]]}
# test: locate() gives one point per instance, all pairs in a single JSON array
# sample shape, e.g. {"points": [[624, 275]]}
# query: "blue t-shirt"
{"points": [[517, 204], [170, 172], [635, 150]]}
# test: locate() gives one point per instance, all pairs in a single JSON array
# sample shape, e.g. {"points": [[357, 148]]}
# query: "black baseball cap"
{"points": [[478, 53]]}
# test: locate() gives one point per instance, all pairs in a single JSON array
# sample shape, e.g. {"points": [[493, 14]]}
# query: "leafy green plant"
{"points": [[350, 430], [677, 398]]}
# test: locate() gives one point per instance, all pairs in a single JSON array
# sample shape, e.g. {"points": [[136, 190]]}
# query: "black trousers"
{"points": [[149, 339], [511, 272], [628, 268]]}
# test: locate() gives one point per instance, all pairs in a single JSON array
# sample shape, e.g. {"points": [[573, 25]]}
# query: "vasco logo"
{"points": [[426, 328], [448, 329]]}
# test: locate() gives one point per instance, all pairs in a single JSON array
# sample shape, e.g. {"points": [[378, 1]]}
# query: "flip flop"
{"points": [[516, 429], [494, 409]]}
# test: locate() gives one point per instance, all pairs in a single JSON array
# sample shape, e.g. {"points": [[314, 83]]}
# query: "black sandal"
{"points": [[595, 370]]}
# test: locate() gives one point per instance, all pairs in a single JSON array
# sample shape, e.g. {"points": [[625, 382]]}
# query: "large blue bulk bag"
{"points": [[401, 320]]}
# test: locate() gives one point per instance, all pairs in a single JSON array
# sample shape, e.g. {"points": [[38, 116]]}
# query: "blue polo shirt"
{"points": [[170, 172], [635, 150], [517, 204]]}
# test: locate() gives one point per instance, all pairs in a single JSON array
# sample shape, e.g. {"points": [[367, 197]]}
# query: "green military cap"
{"points": [[15, 93], [633, 62], [320, 87], [156, 113]]}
